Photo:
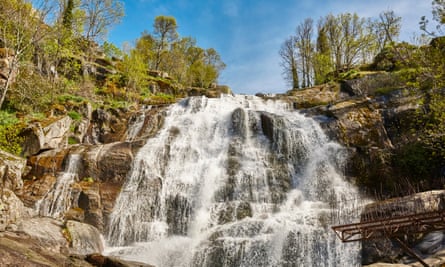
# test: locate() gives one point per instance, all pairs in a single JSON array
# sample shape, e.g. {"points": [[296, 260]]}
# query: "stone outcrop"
{"points": [[20, 249], [47, 231], [315, 96], [12, 210], [85, 239], [11, 170], [39, 137]]}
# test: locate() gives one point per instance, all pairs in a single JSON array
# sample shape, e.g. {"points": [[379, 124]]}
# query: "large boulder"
{"points": [[43, 136], [12, 210], [48, 162], [109, 162], [35, 190], [47, 231], [11, 170], [87, 204], [20, 249], [315, 96], [371, 83], [85, 239]]}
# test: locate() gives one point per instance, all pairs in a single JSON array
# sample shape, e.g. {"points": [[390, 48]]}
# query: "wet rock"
{"points": [[40, 137], [107, 126], [179, 211], [104, 261], [85, 239], [48, 162], [110, 162], [34, 190], [233, 211], [87, 200], [239, 123]]}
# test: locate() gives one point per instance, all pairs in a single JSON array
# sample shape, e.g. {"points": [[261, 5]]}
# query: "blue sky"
{"points": [[248, 33]]}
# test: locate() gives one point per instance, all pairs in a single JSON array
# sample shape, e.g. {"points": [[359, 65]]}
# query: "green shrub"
{"points": [[10, 139], [74, 115], [72, 140], [7, 118], [160, 98], [88, 179], [70, 98]]}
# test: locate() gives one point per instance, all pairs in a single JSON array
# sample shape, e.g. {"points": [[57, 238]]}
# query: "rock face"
{"points": [[47, 231], [85, 239], [12, 210], [40, 137], [11, 170], [380, 133], [19, 249]]}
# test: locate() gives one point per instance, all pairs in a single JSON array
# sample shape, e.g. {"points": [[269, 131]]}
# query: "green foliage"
{"points": [[66, 98], [160, 98], [88, 179], [431, 120], [111, 51], [72, 140], [414, 161], [7, 118], [74, 115], [10, 129], [349, 75]]}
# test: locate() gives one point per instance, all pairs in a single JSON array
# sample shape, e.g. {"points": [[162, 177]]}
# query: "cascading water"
{"points": [[234, 181], [58, 199]]}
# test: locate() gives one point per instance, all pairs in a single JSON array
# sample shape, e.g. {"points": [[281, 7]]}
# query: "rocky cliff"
{"points": [[376, 128]]}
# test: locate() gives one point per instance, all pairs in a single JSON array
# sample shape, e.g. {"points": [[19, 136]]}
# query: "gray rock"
{"points": [[47, 231], [11, 171], [39, 137], [12, 209], [85, 239]]}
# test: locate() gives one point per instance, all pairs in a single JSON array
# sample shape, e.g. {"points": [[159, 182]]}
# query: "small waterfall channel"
{"points": [[58, 199], [233, 181]]}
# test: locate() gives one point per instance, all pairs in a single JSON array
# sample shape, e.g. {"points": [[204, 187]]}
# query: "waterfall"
{"points": [[233, 181], [58, 200]]}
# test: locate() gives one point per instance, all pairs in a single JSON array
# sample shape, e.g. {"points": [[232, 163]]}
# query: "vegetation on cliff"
{"points": [[362, 58], [54, 58]]}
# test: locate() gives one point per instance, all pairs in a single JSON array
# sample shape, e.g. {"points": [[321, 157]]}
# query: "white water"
{"points": [[233, 181], [58, 200]]}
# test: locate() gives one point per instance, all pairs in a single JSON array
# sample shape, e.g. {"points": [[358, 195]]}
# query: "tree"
{"points": [[67, 17], [322, 58], [388, 27], [438, 16], [134, 70], [21, 27], [100, 15], [165, 33], [348, 36], [288, 54], [303, 41]]}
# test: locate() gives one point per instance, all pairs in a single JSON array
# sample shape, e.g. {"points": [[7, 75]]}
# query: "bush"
{"points": [[74, 115]]}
